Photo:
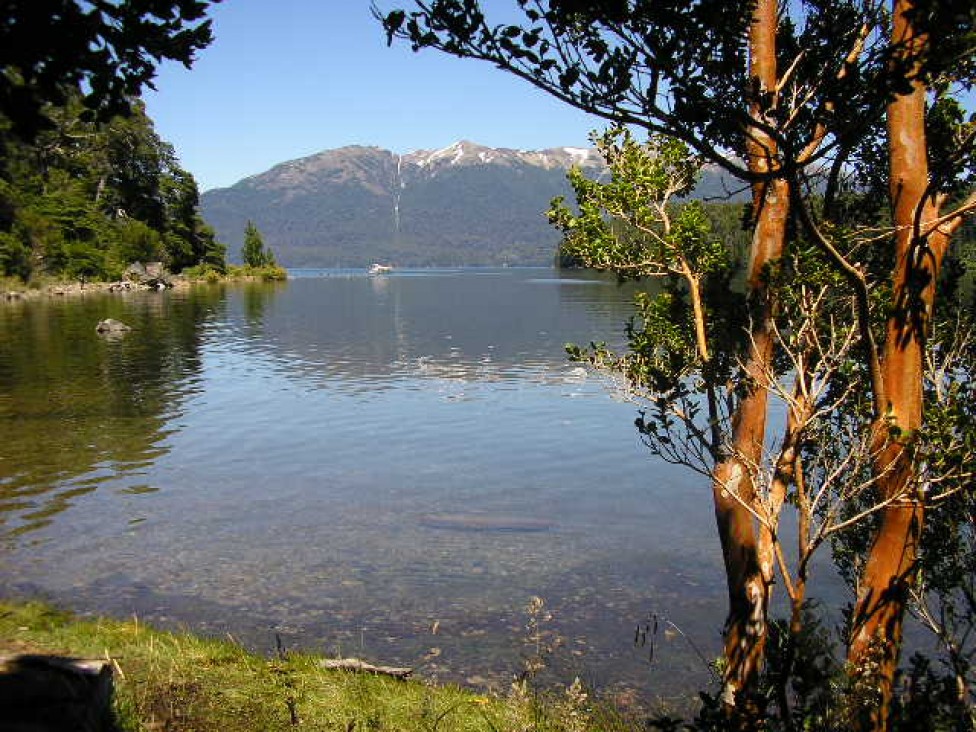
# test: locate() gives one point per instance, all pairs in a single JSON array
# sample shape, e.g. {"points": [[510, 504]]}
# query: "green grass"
{"points": [[267, 273], [178, 681]]}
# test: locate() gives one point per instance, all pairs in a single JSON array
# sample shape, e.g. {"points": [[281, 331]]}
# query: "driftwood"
{"points": [[355, 664]]}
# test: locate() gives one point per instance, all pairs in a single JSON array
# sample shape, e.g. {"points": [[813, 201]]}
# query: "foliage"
{"points": [[944, 596], [930, 700], [254, 253], [725, 222], [790, 97], [51, 48], [680, 361], [804, 687], [84, 200], [681, 345], [604, 57], [674, 67], [205, 273], [268, 273]]}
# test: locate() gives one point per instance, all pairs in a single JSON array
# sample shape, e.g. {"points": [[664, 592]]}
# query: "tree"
{"points": [[922, 234], [83, 175], [686, 347], [254, 253], [109, 48], [819, 78], [706, 73], [189, 240], [110, 193]]}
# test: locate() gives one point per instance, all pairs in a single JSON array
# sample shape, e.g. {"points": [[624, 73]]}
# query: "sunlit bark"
{"points": [[733, 488], [888, 571]]}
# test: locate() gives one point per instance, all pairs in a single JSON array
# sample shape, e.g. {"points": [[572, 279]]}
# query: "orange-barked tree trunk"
{"points": [[732, 485], [876, 631]]}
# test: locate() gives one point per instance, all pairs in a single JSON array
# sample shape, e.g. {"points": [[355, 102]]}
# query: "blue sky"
{"points": [[289, 78]]}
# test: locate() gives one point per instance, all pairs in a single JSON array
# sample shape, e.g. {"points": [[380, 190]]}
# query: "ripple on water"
{"points": [[352, 467]]}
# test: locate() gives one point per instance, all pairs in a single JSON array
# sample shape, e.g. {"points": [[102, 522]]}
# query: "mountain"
{"points": [[465, 204]]}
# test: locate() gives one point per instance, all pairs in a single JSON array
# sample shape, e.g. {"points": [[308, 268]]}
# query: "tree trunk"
{"points": [[888, 571], [732, 486]]}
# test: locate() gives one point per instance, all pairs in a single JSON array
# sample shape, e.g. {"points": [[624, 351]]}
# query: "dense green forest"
{"points": [[83, 199]]}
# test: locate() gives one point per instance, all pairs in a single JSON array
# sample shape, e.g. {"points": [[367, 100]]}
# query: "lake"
{"points": [[389, 467]]}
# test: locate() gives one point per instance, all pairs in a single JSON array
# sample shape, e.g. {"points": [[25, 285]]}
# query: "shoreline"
{"points": [[179, 680], [56, 290], [61, 289]]}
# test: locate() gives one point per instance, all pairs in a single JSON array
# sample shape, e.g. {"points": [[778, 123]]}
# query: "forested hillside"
{"points": [[82, 200]]}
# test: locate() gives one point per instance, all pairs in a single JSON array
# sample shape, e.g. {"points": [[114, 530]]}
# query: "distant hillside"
{"points": [[462, 205]]}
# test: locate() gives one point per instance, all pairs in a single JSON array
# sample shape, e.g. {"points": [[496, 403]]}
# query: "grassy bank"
{"points": [[178, 681], [266, 273]]}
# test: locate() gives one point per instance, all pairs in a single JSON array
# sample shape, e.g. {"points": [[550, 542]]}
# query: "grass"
{"points": [[178, 681], [267, 273]]}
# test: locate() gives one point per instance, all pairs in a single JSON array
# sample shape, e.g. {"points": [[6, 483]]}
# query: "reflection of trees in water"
{"points": [[77, 409], [256, 296], [601, 293]]}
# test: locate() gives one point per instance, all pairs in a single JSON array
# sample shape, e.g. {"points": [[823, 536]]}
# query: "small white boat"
{"points": [[378, 269]]}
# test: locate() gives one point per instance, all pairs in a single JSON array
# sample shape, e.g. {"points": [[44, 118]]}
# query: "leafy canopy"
{"points": [[107, 48], [86, 199], [683, 342], [679, 68]]}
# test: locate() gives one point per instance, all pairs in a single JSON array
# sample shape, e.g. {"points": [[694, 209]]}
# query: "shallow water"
{"points": [[388, 467]]}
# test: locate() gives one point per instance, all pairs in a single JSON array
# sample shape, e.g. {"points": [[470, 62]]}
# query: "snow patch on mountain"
{"points": [[580, 154], [464, 153]]}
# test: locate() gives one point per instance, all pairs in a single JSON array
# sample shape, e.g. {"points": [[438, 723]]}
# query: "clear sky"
{"points": [[289, 78]]}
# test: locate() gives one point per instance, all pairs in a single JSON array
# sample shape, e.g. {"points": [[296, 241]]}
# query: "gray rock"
{"points": [[111, 327], [156, 270], [135, 272], [152, 275]]}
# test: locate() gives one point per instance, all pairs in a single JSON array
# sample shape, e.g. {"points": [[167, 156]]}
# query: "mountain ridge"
{"points": [[464, 204]]}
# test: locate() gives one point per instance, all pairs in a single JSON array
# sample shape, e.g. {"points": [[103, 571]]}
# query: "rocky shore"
{"points": [[149, 277], [74, 289]]}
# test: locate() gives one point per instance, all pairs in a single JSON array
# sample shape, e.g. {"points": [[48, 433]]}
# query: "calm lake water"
{"points": [[389, 467]]}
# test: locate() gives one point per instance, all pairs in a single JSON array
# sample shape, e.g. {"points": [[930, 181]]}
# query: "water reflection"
{"points": [[257, 296], [315, 459], [77, 409], [404, 327]]}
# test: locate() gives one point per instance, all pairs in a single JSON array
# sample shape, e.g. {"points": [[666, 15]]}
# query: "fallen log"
{"points": [[355, 664]]}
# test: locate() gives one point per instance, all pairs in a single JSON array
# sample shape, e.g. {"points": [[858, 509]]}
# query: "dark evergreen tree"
{"points": [[254, 252]]}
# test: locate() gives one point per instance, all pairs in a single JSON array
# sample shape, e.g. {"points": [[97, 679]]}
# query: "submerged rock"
{"points": [[110, 326]]}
